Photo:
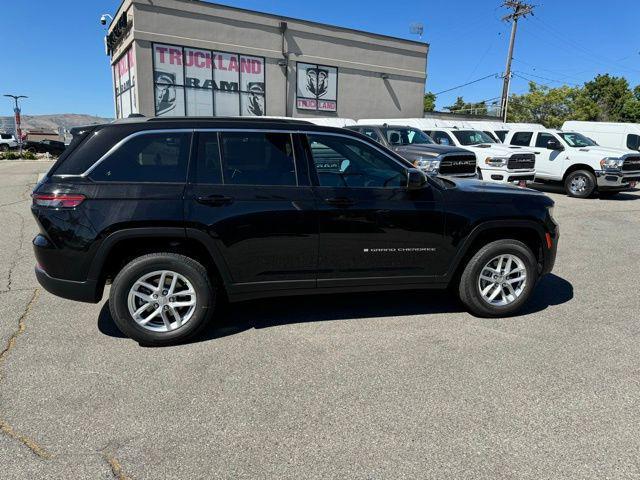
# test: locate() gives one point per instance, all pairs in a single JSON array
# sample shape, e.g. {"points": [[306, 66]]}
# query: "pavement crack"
{"points": [[116, 468], [5, 428], [16, 256]]}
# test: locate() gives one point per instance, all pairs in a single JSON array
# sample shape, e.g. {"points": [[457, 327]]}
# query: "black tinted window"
{"points": [[441, 137], [345, 162], [633, 142], [371, 133], [149, 157], [208, 168], [5, 136], [543, 139], [521, 138], [501, 134], [257, 159]]}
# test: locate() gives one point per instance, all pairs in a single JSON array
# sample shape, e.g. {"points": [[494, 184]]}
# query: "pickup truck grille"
{"points": [[458, 165], [631, 164], [521, 161]]}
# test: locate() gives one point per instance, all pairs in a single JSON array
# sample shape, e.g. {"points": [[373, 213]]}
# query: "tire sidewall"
{"points": [[118, 298], [477, 263], [590, 188]]}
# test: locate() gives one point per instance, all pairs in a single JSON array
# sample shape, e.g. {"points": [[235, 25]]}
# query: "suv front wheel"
{"points": [[499, 279], [162, 298]]}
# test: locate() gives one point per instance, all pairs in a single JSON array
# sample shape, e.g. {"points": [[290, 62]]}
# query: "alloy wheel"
{"points": [[502, 280], [162, 301]]}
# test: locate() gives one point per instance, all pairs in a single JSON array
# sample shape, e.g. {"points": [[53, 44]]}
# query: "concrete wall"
{"points": [[378, 75]]}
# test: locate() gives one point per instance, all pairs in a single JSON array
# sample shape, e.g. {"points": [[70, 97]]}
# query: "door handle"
{"points": [[340, 202], [215, 200]]}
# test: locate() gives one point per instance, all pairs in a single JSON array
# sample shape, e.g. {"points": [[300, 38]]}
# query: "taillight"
{"points": [[57, 200]]}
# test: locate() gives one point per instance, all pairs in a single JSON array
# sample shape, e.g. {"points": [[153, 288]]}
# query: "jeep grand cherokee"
{"points": [[179, 213]]}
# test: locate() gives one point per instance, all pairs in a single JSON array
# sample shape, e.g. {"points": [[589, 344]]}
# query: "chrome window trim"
{"points": [[290, 131]]}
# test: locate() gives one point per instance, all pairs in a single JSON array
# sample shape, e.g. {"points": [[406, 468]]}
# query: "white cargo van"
{"points": [[607, 134]]}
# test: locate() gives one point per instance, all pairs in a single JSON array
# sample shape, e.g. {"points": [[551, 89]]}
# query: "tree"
{"points": [[429, 102], [604, 98], [542, 104]]}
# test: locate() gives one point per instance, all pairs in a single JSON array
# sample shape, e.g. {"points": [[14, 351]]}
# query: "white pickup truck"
{"points": [[578, 162], [496, 162]]}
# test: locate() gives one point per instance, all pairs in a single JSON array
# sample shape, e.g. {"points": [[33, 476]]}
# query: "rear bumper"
{"points": [[86, 291], [616, 180]]}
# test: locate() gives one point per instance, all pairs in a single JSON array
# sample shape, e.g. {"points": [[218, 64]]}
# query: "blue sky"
{"points": [[53, 50]]}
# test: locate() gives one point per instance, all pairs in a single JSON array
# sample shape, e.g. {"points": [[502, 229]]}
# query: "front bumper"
{"points": [[508, 176], [615, 179], [86, 291]]}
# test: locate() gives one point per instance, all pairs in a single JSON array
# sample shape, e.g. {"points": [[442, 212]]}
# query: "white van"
{"points": [[496, 162], [608, 134]]}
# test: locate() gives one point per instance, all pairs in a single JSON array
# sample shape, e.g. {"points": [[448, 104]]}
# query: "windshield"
{"points": [[472, 137], [406, 136], [577, 140]]}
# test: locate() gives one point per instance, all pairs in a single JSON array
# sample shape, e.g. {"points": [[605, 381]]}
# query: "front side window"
{"points": [[543, 139], [257, 159], [577, 140], [502, 134], [633, 142], [346, 162], [522, 139], [472, 137], [148, 157], [406, 136], [371, 133]]}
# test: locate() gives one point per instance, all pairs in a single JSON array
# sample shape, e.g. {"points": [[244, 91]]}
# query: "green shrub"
{"points": [[16, 156]]}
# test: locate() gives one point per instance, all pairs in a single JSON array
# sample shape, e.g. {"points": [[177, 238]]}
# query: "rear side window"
{"points": [[371, 133], [5, 136], [492, 136], [502, 134], [150, 157], [522, 139], [441, 137], [257, 159], [633, 142], [208, 168]]}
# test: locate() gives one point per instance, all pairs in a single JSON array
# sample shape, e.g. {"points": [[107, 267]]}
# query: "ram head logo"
{"points": [[317, 81]]}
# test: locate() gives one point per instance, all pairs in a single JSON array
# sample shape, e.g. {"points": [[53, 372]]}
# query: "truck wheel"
{"points": [[162, 299], [479, 174], [4, 147], [498, 279], [580, 184]]}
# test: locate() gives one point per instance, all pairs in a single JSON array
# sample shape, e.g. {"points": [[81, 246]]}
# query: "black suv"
{"points": [[178, 214], [417, 147]]}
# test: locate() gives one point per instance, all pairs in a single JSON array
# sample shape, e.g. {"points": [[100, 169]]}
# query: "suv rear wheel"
{"points": [[580, 184], [162, 299], [498, 279]]}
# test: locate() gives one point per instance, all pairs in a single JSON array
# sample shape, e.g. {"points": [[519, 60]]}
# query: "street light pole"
{"points": [[16, 112]]}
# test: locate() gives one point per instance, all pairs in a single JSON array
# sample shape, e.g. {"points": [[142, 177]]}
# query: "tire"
{"points": [[4, 147], [164, 328], [469, 289], [580, 184]]}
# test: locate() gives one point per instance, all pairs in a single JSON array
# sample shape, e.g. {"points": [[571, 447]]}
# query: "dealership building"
{"points": [[195, 58]]}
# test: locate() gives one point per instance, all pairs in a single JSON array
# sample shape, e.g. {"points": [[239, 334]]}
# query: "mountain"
{"points": [[53, 122]]}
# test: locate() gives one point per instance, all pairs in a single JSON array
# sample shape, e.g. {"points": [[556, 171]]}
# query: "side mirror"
{"points": [[415, 179], [554, 145]]}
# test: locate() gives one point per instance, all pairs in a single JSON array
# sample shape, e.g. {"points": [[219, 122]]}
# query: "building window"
{"points": [[195, 82], [124, 77], [317, 87]]}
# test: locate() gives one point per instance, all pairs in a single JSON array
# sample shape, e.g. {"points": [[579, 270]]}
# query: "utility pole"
{"points": [[520, 9], [16, 112]]}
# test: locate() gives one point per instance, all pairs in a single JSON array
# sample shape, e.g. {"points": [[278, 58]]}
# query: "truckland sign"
{"points": [[195, 82], [124, 79], [317, 87]]}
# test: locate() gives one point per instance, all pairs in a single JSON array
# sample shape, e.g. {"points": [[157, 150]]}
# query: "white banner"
{"points": [[317, 87]]}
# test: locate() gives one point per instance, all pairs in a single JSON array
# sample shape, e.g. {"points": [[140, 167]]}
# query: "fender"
{"points": [[125, 234], [490, 225]]}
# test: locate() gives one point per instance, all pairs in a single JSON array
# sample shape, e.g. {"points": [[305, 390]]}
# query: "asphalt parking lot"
{"points": [[368, 386]]}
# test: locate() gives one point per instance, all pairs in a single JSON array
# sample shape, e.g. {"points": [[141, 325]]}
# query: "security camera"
{"points": [[104, 17]]}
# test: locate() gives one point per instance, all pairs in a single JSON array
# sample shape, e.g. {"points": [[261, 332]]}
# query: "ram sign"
{"points": [[195, 82], [124, 78]]}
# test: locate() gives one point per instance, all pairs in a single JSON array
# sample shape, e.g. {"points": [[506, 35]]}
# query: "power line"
{"points": [[495, 75], [548, 79]]}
